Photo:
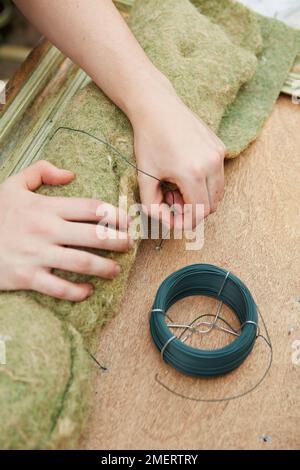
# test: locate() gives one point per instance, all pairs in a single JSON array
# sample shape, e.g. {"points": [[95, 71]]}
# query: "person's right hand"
{"points": [[37, 233]]}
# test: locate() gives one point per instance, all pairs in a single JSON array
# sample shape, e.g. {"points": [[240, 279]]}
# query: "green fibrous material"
{"points": [[208, 50], [44, 381], [244, 119], [240, 23], [205, 67], [277, 50], [102, 175]]}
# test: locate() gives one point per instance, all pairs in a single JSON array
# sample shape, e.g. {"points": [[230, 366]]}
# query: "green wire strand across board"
{"points": [[211, 281]]}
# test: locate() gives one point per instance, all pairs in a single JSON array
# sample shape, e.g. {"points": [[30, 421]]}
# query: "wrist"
{"points": [[151, 89]]}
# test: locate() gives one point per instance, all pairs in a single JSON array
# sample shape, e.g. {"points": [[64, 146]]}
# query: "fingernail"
{"points": [[90, 291], [117, 270], [71, 173], [130, 243]]}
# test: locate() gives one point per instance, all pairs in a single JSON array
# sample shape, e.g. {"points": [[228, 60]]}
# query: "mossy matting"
{"points": [[43, 385], [205, 67], [277, 50], [244, 119], [102, 175], [239, 22]]}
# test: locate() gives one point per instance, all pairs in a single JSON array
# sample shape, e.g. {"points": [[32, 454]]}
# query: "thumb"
{"points": [[43, 172]]}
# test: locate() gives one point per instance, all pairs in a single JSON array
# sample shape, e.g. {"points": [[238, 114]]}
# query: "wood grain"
{"points": [[255, 234]]}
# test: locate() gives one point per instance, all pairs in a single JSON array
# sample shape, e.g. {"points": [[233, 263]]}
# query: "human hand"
{"points": [[174, 145], [37, 233]]}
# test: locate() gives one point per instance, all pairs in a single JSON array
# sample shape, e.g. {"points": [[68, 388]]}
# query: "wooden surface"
{"points": [[255, 234]]}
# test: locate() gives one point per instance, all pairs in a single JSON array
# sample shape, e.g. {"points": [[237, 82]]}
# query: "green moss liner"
{"points": [[206, 68], [100, 174], [43, 385], [244, 119], [277, 47]]}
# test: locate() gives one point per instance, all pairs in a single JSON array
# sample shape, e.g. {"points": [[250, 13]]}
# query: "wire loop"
{"points": [[208, 280]]}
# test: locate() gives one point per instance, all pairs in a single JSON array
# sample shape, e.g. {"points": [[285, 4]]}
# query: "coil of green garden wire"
{"points": [[211, 281]]}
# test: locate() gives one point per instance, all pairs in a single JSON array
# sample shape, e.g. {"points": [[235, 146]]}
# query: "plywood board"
{"points": [[255, 234]]}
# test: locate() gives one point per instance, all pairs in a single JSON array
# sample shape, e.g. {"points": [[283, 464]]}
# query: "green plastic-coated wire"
{"points": [[211, 281]]}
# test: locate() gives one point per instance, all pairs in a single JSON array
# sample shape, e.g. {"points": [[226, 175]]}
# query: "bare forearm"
{"points": [[95, 36]]}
